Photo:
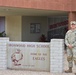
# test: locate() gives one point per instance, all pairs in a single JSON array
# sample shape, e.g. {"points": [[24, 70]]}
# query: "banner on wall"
{"points": [[29, 56]]}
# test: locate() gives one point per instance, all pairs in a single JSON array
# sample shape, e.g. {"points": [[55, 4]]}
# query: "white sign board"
{"points": [[29, 56]]}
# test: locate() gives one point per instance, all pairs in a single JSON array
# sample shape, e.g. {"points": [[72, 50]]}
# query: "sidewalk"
{"points": [[20, 72], [13, 72]]}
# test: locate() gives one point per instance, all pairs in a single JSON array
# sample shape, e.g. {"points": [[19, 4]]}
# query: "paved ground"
{"points": [[20, 72]]}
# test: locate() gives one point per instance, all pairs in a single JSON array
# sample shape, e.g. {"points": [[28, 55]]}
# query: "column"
{"points": [[3, 52], [57, 55], [71, 17]]}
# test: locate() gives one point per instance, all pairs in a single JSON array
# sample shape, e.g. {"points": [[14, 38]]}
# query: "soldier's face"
{"points": [[73, 26]]}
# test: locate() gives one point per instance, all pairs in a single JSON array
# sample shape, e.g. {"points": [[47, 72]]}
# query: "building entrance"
{"points": [[57, 27]]}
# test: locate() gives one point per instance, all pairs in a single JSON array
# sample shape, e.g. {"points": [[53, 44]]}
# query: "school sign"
{"points": [[36, 56], [29, 56]]}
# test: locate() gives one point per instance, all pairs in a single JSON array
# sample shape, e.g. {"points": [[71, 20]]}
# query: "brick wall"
{"points": [[38, 4]]}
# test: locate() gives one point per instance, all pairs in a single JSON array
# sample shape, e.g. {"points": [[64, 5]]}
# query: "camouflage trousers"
{"points": [[71, 56]]}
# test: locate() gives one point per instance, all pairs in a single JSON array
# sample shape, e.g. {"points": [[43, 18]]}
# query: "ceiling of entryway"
{"points": [[5, 11]]}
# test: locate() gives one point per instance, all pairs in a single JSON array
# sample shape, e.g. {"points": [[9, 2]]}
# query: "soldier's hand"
{"points": [[70, 46]]}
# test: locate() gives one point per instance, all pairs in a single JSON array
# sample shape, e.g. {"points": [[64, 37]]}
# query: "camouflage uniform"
{"points": [[70, 38]]}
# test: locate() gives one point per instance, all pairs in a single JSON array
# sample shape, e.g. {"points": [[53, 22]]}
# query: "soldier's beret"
{"points": [[73, 22]]}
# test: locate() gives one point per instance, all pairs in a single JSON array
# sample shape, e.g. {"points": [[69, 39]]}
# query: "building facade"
{"points": [[26, 20]]}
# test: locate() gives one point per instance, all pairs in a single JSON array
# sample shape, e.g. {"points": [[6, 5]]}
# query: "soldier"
{"points": [[70, 41]]}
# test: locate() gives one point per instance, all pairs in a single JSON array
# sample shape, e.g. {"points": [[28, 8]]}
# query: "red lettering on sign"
{"points": [[30, 45], [39, 58]]}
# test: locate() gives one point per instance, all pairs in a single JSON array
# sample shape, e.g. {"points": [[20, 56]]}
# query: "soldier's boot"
{"points": [[69, 70]]}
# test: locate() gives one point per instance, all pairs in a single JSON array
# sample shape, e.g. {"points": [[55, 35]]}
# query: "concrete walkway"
{"points": [[20, 72]]}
